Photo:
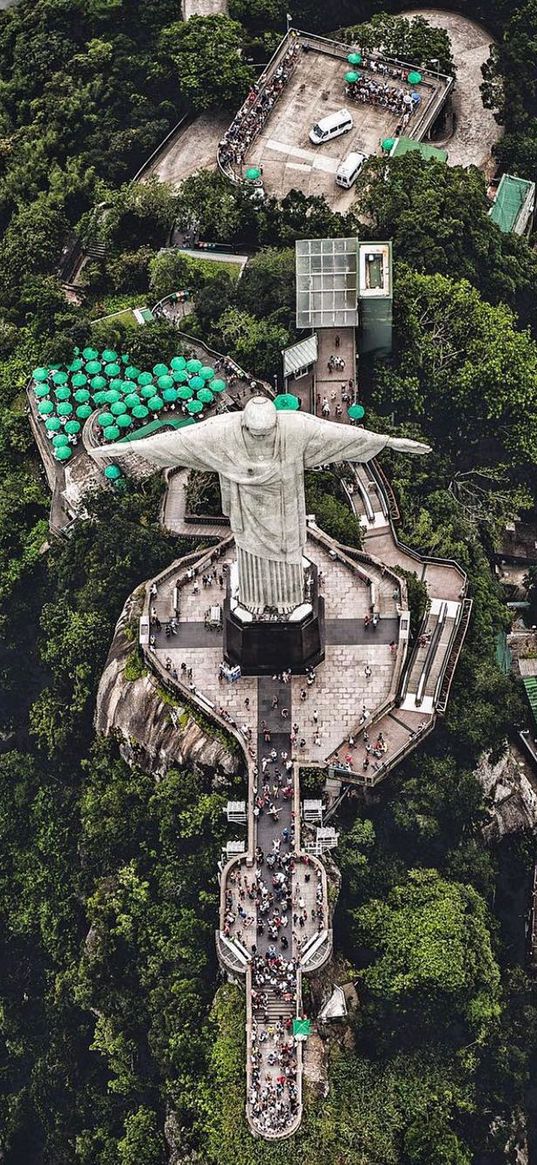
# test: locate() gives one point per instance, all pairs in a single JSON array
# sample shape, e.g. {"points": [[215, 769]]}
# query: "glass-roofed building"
{"points": [[343, 283]]}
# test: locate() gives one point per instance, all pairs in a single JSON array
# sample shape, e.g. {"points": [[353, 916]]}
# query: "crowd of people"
{"points": [[252, 116], [396, 99]]}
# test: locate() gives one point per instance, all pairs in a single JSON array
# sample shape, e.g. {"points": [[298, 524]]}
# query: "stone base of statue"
{"points": [[272, 643]]}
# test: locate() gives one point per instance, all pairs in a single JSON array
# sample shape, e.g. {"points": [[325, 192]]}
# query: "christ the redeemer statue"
{"points": [[260, 455]]}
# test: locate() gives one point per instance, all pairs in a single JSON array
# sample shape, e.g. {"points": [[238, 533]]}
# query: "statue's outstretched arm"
{"points": [[188, 448], [405, 445]]}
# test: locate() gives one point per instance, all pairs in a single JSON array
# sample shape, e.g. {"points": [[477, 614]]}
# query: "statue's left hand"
{"points": [[405, 445]]}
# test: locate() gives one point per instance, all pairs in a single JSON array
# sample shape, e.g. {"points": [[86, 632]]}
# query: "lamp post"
{"points": [[289, 21]]}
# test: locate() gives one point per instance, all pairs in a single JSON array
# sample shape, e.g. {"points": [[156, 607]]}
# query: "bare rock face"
{"points": [[152, 730], [510, 786]]}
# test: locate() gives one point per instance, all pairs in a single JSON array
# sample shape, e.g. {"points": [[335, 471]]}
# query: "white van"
{"points": [[348, 171], [331, 127]]}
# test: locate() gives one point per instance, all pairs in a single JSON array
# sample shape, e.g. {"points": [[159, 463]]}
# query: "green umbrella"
{"points": [[351, 76], [185, 393], [140, 412], [90, 353], [356, 412], [195, 406], [41, 390], [99, 398], [63, 453], [60, 439], [125, 359], [63, 392], [178, 363], [79, 380], [123, 385], [105, 419], [83, 412], [45, 408], [147, 391], [218, 385], [414, 78], [118, 408], [112, 472], [64, 409], [112, 369], [108, 354], [193, 365], [388, 144], [124, 421], [286, 400], [132, 399], [73, 427], [60, 378], [111, 433], [196, 382], [111, 396], [207, 372], [82, 396], [165, 381], [169, 395], [52, 424], [180, 375], [205, 395], [252, 173], [40, 374], [145, 378], [132, 373], [155, 404], [75, 365], [93, 367], [98, 382], [354, 58], [160, 369]]}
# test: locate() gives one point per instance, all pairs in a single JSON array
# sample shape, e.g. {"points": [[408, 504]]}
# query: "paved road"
{"points": [[476, 131]]}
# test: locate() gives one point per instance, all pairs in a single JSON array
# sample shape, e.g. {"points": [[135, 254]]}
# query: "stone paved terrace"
{"points": [[316, 89]]}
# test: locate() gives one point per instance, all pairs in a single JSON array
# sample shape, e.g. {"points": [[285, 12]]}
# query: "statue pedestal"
{"points": [[269, 645]]}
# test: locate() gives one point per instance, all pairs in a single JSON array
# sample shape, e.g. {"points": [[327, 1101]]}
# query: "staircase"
{"points": [[97, 250], [276, 1007]]}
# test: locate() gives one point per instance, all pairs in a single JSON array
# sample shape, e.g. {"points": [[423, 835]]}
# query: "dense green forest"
{"points": [[119, 1045]]}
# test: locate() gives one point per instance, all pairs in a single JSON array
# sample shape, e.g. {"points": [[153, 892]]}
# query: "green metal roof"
{"points": [[511, 196], [530, 684], [409, 145], [155, 426]]}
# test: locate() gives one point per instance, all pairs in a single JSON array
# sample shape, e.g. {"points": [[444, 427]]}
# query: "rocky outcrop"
{"points": [[511, 789], [153, 729]]}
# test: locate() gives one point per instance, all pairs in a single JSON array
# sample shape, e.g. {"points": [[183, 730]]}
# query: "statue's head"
{"points": [[260, 416]]}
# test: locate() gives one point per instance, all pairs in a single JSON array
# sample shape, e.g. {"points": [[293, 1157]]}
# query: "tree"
{"points": [[438, 218], [433, 951], [257, 344], [143, 1143], [267, 286], [206, 52], [414, 41], [464, 371]]}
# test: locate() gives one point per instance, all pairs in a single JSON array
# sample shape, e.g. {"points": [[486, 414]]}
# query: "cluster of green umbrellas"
{"points": [[124, 395]]}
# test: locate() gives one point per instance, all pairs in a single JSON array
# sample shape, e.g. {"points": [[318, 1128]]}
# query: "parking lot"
{"points": [[283, 148]]}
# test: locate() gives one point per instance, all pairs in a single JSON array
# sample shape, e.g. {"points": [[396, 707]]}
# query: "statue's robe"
{"points": [[264, 500]]}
